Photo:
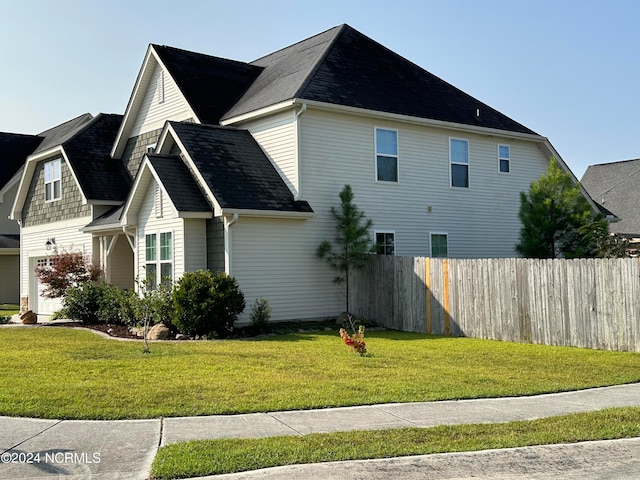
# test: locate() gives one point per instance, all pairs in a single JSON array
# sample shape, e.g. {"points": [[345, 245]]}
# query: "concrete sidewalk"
{"points": [[105, 450]]}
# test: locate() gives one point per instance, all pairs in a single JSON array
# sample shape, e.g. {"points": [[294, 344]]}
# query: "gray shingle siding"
{"points": [[136, 148], [38, 212]]}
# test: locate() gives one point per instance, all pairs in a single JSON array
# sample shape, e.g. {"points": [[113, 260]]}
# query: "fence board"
{"points": [[592, 303]]}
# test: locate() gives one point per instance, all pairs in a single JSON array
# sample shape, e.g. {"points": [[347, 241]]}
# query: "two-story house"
{"points": [[236, 166]]}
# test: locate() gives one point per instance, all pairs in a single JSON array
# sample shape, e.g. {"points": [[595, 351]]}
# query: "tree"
{"points": [[352, 241], [65, 270], [557, 220]]}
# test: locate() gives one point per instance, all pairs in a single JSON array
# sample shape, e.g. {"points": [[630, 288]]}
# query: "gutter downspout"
{"points": [[227, 241], [298, 114]]}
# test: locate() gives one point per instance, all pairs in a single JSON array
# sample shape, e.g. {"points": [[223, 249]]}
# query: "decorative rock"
{"points": [[158, 332], [182, 336], [343, 318], [29, 318]]}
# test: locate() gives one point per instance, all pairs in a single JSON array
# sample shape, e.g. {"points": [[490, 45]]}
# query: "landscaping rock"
{"points": [[158, 332], [343, 318], [182, 336], [29, 318]]}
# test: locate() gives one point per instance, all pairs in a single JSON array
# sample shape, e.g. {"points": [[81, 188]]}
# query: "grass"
{"points": [[211, 457], [7, 310], [51, 372]]}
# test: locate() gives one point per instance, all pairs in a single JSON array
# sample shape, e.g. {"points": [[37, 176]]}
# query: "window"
{"points": [[504, 157], [386, 155], [159, 261], [459, 159], [439, 245], [385, 243], [52, 181]]}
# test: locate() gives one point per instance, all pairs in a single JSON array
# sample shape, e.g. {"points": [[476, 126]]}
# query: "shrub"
{"points": [[99, 303], [66, 270], [4, 319], [261, 313], [155, 305], [81, 303], [207, 304]]}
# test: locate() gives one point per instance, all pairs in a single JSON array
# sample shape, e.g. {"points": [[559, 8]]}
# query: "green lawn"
{"points": [[52, 372], [212, 457]]}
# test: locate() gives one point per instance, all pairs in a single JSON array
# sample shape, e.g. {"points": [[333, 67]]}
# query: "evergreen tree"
{"points": [[556, 218], [352, 240]]}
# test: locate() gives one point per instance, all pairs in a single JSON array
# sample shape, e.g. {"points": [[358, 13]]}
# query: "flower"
{"points": [[355, 341]]}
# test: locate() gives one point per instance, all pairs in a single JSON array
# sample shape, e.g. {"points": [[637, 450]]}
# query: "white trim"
{"points": [[431, 234], [375, 243], [51, 165], [397, 155], [508, 159], [267, 213], [254, 115], [468, 164]]}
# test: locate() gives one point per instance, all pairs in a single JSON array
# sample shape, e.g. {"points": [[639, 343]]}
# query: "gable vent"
{"points": [[158, 201], [160, 87]]}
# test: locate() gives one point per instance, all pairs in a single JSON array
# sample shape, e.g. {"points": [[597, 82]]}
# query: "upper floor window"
{"points": [[459, 160], [52, 180], [439, 245], [385, 243], [386, 155], [504, 158]]}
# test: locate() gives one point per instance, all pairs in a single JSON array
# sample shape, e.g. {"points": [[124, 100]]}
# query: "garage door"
{"points": [[42, 305]]}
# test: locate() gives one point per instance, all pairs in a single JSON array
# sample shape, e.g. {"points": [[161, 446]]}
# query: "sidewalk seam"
{"points": [[33, 436], [271, 414]]}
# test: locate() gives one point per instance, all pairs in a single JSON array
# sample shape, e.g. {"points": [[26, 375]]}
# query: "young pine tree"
{"points": [[352, 241]]}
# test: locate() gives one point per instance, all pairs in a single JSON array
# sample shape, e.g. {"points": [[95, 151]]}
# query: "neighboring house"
{"points": [[237, 165], [14, 148], [615, 186], [67, 182]]}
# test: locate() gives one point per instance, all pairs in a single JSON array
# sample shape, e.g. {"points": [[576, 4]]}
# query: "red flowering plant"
{"points": [[355, 340]]}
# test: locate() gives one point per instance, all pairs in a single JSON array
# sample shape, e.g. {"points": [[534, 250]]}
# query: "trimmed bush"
{"points": [[207, 304], [261, 313], [98, 303]]}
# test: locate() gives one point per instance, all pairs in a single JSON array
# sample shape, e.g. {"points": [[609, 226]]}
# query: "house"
{"points": [[14, 148], [615, 186], [235, 166], [67, 182]]}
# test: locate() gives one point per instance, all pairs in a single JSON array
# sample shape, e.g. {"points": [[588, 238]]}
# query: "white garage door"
{"points": [[42, 305]]}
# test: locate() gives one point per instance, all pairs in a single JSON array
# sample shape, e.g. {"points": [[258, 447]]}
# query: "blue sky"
{"points": [[567, 69]]}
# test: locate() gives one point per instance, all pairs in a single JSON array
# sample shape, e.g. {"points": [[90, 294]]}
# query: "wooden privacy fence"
{"points": [[592, 303]]}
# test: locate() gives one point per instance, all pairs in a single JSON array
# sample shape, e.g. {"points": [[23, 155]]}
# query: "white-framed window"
{"points": [[504, 158], [53, 180], [385, 243], [386, 155], [158, 258], [439, 244], [459, 161]]}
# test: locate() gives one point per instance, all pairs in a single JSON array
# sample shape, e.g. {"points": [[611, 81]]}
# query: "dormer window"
{"points": [[52, 181]]}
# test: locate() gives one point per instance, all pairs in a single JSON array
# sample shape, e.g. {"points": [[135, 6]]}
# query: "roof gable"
{"points": [[235, 169], [615, 186], [344, 67], [210, 84]]}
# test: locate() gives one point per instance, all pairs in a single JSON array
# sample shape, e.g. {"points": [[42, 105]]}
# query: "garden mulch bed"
{"points": [[248, 331]]}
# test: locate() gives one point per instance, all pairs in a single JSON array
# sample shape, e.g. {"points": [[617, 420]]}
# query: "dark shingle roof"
{"points": [[615, 186], [88, 150], [179, 183], [211, 85], [9, 241], [60, 133], [14, 150], [236, 169], [344, 67], [110, 217]]}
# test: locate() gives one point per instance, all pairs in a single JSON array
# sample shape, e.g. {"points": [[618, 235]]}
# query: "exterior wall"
{"points": [[120, 264], [68, 237], [10, 279], [215, 244], [38, 212], [157, 107], [276, 258], [481, 221], [148, 223], [136, 148], [195, 244], [8, 227], [277, 136]]}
